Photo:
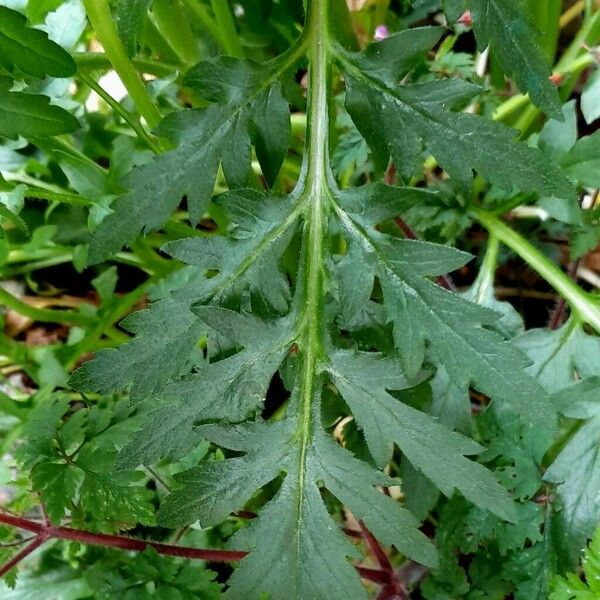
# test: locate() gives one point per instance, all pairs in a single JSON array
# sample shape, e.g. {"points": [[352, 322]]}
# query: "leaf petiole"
{"points": [[584, 305]]}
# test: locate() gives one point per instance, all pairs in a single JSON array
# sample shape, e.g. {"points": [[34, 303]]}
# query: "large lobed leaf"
{"points": [[420, 116], [248, 108]]}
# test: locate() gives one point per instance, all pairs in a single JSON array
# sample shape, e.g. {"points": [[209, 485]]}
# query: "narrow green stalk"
{"points": [[45, 315], [102, 21], [226, 24], [174, 27], [129, 118], [93, 61], [315, 191], [206, 20], [63, 197], [583, 305], [546, 14], [61, 145], [29, 267], [46, 191], [487, 273]]}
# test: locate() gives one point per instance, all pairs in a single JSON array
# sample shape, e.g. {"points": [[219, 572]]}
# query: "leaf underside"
{"points": [[260, 320]]}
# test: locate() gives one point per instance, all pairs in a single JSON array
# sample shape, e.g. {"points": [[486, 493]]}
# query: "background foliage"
{"points": [[134, 445]]}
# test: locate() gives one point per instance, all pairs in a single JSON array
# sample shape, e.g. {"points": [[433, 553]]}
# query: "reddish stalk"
{"points": [[117, 541], [17, 558], [47, 532], [376, 549], [393, 589]]}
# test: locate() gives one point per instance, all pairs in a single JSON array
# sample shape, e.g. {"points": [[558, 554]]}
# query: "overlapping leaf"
{"points": [[29, 50], [420, 116], [71, 472], [287, 561], [228, 389], [508, 29], [31, 115], [249, 107], [248, 257], [440, 454], [577, 468], [459, 332], [130, 17]]}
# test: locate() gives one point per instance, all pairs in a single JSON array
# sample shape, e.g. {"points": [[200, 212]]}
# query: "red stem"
{"points": [[376, 549], [17, 558], [119, 541], [45, 533], [374, 575]]}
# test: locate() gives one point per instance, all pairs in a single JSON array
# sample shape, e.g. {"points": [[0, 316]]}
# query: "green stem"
{"points": [[44, 315], [206, 20], [60, 145], [487, 273], [174, 27], [546, 14], [41, 191], [102, 21], [133, 121], [583, 305], [29, 267], [64, 197], [226, 24], [315, 191], [92, 61]]}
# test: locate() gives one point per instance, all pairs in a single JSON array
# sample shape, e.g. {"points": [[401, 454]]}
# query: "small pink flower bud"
{"points": [[381, 32], [466, 19]]}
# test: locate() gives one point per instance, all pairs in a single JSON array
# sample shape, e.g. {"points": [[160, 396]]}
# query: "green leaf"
{"points": [[560, 357], [227, 389], [249, 255], [32, 115], [439, 453], [420, 115], [558, 137], [573, 588], [167, 334], [58, 583], [247, 258], [288, 561], [509, 30], [30, 50], [71, 473], [148, 575], [41, 428], [458, 331], [576, 470], [130, 18], [249, 107], [587, 236], [590, 98], [582, 162], [454, 8]]}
